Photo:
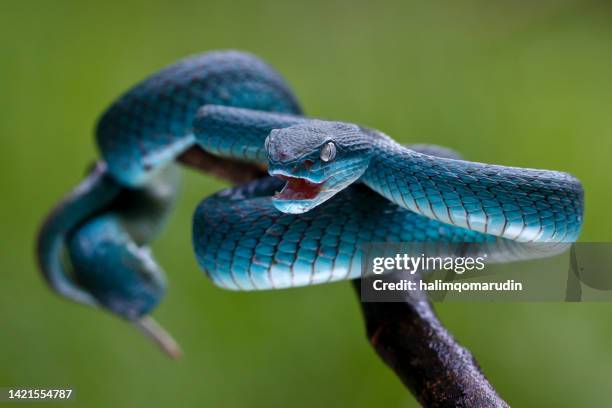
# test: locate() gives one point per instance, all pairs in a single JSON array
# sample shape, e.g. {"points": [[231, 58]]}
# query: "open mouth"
{"points": [[298, 189]]}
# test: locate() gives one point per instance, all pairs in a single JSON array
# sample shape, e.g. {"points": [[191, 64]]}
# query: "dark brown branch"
{"points": [[406, 335], [411, 340], [234, 171]]}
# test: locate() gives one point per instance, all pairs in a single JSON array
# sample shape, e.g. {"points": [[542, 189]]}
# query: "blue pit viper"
{"points": [[341, 185]]}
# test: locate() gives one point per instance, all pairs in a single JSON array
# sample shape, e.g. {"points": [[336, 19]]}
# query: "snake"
{"points": [[331, 187]]}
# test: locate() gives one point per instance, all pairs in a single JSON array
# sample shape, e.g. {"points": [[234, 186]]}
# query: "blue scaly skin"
{"points": [[150, 125], [110, 253], [234, 106], [244, 243]]}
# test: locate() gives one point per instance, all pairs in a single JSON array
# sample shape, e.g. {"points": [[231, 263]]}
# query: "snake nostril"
{"points": [[307, 164]]}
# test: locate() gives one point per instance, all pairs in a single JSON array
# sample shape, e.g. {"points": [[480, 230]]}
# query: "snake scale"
{"points": [[341, 185]]}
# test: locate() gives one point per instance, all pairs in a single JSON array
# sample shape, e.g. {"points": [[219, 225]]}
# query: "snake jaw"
{"points": [[298, 188]]}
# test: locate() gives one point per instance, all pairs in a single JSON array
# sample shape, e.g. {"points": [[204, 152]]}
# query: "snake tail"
{"points": [[92, 248]]}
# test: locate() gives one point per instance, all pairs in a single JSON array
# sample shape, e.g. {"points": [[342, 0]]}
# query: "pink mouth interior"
{"points": [[298, 189]]}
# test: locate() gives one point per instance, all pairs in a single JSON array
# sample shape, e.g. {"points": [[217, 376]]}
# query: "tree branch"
{"points": [[411, 340], [234, 171]]}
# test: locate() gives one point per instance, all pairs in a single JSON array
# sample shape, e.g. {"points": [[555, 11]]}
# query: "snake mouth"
{"points": [[298, 188]]}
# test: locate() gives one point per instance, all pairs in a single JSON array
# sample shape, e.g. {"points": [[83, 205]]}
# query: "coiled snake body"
{"points": [[341, 185]]}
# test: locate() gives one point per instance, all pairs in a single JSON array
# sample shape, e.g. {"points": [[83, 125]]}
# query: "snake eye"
{"points": [[328, 152]]}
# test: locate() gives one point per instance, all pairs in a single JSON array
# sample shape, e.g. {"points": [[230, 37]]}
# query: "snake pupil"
{"points": [[328, 152]]}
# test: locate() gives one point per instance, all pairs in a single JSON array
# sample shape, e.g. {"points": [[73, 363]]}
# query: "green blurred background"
{"points": [[514, 83]]}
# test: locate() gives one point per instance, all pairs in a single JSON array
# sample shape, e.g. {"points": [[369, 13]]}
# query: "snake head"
{"points": [[317, 160]]}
